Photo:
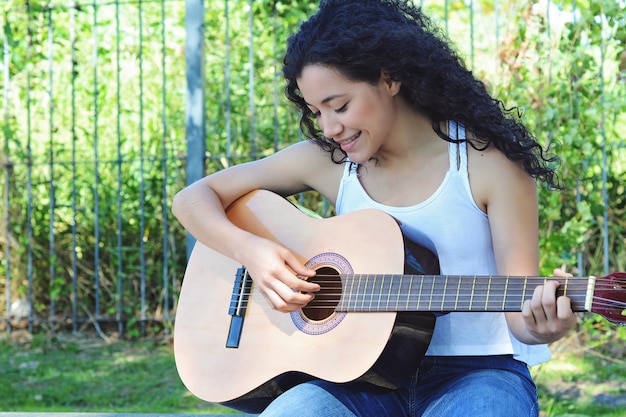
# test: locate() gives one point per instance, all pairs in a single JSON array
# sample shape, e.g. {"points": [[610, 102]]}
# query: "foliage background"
{"points": [[94, 136]]}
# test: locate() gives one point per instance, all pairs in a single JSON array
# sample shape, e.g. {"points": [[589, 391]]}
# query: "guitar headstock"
{"points": [[609, 298]]}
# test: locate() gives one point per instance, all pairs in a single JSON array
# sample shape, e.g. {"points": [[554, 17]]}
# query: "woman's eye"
{"points": [[313, 113], [342, 108]]}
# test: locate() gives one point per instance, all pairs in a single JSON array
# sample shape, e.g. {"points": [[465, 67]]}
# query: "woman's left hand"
{"points": [[546, 316]]}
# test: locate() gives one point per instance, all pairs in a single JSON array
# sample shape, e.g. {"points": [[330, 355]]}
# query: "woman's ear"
{"points": [[392, 86]]}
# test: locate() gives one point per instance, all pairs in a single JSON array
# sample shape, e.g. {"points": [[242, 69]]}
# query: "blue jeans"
{"points": [[490, 386]]}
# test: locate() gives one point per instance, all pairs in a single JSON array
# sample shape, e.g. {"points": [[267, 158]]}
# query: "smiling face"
{"points": [[359, 116]]}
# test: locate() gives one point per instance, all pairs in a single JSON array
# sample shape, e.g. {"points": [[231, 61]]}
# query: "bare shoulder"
{"points": [[508, 194], [493, 175], [311, 166], [299, 167]]}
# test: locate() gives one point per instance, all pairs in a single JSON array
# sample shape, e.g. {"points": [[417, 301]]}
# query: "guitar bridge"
{"points": [[238, 306]]}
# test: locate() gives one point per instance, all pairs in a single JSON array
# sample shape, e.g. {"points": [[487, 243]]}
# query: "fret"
{"points": [[379, 284], [495, 293], [370, 295], [577, 291], [432, 291], [346, 302], [504, 294], [465, 289], [401, 284], [388, 286], [352, 293], [502, 290], [357, 293], [383, 304], [445, 291], [364, 294], [419, 294], [488, 294], [450, 299], [361, 293], [471, 303], [389, 294], [514, 297], [408, 298], [458, 293], [481, 297]]}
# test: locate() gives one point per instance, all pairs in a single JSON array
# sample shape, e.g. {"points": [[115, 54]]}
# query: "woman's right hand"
{"points": [[279, 275]]}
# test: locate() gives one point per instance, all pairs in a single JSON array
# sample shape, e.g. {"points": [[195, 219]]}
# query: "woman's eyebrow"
{"points": [[327, 99]]}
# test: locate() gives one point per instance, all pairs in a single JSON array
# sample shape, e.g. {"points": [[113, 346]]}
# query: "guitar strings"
{"points": [[461, 302], [598, 304], [603, 301]]}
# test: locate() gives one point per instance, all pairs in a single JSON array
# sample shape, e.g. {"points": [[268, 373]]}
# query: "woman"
{"points": [[397, 123]]}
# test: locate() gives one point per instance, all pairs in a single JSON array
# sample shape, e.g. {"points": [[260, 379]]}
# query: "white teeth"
{"points": [[352, 139]]}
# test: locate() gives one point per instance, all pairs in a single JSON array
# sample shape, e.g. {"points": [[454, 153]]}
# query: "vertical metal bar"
{"points": [[496, 10], [120, 241], [227, 82], [142, 183], [195, 110], [29, 174], [276, 77], [472, 52], [96, 168], [605, 197], [581, 264], [74, 173], [446, 7], [253, 154], [579, 255], [549, 32], [7, 173], [164, 170], [51, 167]]}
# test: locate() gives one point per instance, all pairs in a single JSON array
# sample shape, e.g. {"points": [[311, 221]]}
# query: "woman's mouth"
{"points": [[347, 144]]}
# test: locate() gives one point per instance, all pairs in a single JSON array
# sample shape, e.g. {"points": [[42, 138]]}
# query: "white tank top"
{"points": [[451, 225]]}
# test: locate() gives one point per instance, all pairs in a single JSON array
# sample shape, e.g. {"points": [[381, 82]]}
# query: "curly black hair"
{"points": [[363, 38]]}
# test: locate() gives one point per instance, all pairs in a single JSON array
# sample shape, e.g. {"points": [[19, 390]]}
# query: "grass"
{"points": [[584, 378], [87, 374]]}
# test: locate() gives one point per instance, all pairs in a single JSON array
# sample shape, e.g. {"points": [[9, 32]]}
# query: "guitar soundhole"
{"points": [[326, 300], [319, 316]]}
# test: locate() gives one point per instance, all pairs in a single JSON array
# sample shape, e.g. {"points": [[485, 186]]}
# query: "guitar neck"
{"points": [[453, 293]]}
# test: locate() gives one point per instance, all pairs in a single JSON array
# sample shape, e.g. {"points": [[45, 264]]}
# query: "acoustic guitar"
{"points": [[372, 319]]}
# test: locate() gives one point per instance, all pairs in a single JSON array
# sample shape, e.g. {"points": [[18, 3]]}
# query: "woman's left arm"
{"points": [[510, 200]]}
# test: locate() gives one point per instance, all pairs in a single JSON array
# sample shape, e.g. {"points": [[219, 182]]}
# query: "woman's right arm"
{"points": [[200, 208]]}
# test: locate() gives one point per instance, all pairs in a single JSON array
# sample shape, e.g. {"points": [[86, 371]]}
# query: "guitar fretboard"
{"points": [[448, 293]]}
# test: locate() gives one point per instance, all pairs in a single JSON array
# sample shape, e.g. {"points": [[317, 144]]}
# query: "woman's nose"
{"points": [[331, 127]]}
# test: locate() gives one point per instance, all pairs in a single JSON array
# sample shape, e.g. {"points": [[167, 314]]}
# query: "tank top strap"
{"points": [[352, 167], [458, 150]]}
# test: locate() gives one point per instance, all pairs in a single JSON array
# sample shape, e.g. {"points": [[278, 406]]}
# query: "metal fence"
{"points": [[93, 144], [110, 107]]}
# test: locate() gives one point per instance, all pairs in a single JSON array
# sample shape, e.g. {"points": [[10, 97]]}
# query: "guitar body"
{"points": [[275, 350]]}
